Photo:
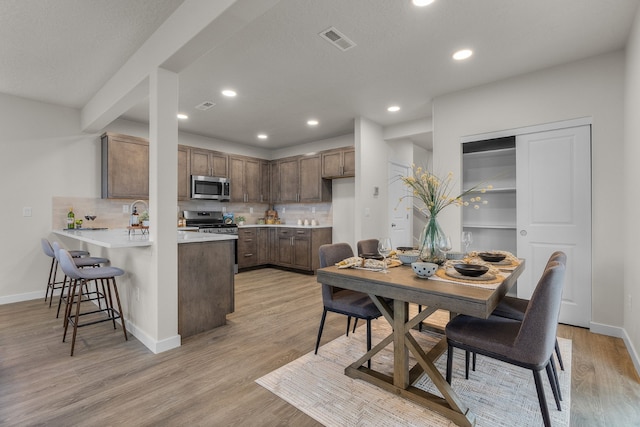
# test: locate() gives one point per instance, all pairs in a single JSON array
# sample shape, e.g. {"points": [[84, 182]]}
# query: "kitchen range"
{"points": [[212, 222]]}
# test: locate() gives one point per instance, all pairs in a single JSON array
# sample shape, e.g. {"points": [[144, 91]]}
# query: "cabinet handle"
{"points": [[247, 255], [300, 231], [248, 240]]}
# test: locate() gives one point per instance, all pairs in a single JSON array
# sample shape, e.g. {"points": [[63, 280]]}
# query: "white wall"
{"points": [[371, 171], [592, 87], [44, 154], [629, 193]]}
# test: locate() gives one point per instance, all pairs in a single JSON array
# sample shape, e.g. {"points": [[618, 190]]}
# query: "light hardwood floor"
{"points": [[209, 381]]}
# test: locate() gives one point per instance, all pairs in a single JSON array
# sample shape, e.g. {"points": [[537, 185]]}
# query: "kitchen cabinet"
{"points": [[184, 180], [205, 285], [299, 180], [298, 247], [263, 244], [339, 163], [247, 247], [125, 167], [247, 177], [208, 163]]}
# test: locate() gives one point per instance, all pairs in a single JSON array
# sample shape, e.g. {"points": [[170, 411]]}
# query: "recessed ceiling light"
{"points": [[393, 109], [312, 122], [422, 3], [462, 54], [263, 136], [230, 93], [182, 116]]}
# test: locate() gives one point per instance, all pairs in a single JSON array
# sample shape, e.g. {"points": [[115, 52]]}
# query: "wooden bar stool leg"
{"points": [[77, 317], [50, 284], [115, 290], [64, 285], [108, 297], [67, 309]]}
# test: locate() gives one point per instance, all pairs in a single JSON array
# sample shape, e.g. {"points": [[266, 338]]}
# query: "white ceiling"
{"points": [[63, 51]]}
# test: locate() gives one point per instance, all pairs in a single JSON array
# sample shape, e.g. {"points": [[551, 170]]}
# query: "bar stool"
{"points": [[79, 278], [80, 263], [51, 283]]}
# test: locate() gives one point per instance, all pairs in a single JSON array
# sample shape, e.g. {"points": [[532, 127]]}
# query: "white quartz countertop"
{"points": [[283, 226], [120, 237]]}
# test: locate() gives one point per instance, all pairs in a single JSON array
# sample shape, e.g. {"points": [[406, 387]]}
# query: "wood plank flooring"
{"points": [[209, 381]]}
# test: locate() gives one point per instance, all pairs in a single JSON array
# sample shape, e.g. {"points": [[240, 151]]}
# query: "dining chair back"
{"points": [[514, 308], [528, 343], [368, 246], [343, 301]]}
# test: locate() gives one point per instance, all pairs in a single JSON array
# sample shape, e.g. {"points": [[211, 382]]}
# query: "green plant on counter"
{"points": [[240, 219], [144, 216]]}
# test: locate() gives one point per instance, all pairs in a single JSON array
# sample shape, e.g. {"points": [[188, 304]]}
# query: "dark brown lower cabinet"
{"points": [[289, 247]]}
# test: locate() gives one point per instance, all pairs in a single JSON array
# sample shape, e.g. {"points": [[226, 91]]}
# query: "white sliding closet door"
{"points": [[553, 180]]}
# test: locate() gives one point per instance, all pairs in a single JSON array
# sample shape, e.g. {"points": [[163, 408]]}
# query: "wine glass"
{"points": [[445, 245], [467, 240], [384, 248]]}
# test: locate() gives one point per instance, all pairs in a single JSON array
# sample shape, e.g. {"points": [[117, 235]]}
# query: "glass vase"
{"points": [[430, 242]]}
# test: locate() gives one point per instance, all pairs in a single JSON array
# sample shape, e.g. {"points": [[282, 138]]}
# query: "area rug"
{"points": [[498, 394]]}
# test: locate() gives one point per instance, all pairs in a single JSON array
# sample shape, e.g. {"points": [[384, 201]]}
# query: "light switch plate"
{"points": [[26, 211]]}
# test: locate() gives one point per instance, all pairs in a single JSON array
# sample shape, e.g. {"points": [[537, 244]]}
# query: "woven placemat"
{"points": [[495, 280]]}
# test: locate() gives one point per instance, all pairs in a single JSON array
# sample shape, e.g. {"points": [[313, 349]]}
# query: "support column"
{"points": [[163, 196]]}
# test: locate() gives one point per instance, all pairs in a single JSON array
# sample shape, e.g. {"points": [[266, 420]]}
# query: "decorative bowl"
{"points": [[424, 269], [471, 270], [491, 256], [408, 256]]}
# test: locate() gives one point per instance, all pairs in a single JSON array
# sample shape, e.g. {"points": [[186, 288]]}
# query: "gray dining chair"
{"points": [[368, 246], [528, 343], [343, 301], [514, 308]]}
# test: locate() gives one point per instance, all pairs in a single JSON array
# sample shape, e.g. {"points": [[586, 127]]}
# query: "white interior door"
{"points": [[400, 213], [553, 185]]}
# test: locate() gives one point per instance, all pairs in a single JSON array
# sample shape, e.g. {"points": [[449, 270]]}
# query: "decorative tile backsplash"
{"points": [[109, 212]]}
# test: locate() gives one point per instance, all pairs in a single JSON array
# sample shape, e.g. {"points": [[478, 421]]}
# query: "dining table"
{"points": [[392, 292]]}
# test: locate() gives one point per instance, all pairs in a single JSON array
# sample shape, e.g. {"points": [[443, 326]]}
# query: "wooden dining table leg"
{"points": [[400, 351]]}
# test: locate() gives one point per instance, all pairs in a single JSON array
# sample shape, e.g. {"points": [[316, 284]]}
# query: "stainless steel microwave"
{"points": [[210, 188]]}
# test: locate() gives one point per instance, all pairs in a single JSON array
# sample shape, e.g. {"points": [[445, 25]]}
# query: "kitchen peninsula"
{"points": [[205, 275]]}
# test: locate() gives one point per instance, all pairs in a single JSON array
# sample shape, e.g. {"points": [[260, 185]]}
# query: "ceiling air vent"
{"points": [[205, 105], [337, 39]]}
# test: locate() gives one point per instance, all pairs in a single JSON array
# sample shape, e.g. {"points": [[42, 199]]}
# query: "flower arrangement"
{"points": [[435, 194]]}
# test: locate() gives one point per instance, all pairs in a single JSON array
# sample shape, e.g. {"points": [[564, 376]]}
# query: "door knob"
{"points": [[392, 224], [523, 232]]}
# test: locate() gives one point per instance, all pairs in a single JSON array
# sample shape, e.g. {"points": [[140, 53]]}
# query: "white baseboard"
{"points": [[152, 344], [602, 329], [9, 299], [632, 351], [618, 332]]}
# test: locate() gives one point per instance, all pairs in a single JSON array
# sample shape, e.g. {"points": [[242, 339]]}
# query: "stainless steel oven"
{"points": [[213, 222]]}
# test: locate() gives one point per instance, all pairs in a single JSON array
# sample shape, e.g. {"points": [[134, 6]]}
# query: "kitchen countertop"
{"points": [[120, 237], [283, 225]]}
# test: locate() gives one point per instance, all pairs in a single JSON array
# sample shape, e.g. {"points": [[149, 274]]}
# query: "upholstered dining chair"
{"points": [[368, 246], [528, 343], [344, 301], [514, 308]]}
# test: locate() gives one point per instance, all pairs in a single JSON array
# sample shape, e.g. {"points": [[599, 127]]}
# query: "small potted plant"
{"points": [[240, 220], [144, 218]]}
